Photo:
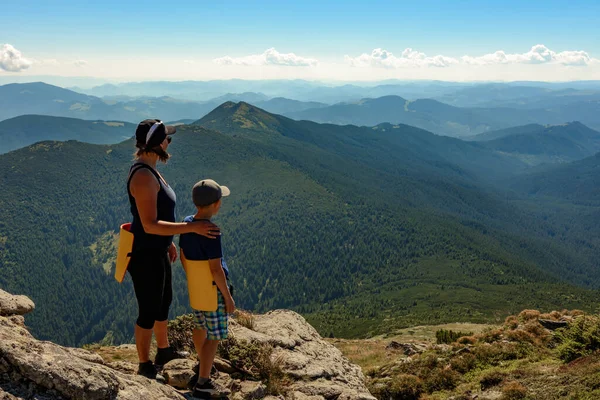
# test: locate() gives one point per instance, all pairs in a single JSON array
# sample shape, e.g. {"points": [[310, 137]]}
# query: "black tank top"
{"points": [[165, 211]]}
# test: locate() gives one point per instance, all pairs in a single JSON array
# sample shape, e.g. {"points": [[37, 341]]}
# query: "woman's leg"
{"points": [[143, 339], [160, 333], [147, 274], [166, 297]]}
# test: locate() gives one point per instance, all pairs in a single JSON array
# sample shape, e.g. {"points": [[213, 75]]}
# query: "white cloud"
{"points": [[269, 57], [12, 60], [409, 58], [80, 63], [539, 54]]}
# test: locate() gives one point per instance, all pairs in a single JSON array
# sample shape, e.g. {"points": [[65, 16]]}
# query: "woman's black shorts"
{"points": [[151, 275]]}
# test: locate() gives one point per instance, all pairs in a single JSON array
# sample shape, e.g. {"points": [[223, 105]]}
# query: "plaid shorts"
{"points": [[216, 323]]}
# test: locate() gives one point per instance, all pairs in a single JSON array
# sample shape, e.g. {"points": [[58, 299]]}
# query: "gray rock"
{"points": [[302, 396], [252, 390], [14, 305], [553, 325], [179, 372], [224, 366], [319, 367], [69, 373]]}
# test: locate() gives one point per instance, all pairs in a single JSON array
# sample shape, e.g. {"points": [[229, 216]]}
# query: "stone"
{"points": [[319, 367], [252, 390], [14, 305], [178, 372], [552, 325], [302, 396], [70, 373], [224, 366]]}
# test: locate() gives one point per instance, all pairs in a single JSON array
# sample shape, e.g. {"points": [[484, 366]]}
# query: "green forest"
{"points": [[362, 230]]}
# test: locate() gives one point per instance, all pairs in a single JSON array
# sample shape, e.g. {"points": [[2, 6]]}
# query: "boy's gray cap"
{"points": [[207, 192]]}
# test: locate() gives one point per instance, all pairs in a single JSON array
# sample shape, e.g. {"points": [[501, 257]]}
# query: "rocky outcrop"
{"points": [[319, 368], [14, 305], [34, 369]]}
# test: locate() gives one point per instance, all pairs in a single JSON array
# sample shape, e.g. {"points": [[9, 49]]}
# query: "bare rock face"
{"points": [[14, 305], [33, 369], [319, 368]]}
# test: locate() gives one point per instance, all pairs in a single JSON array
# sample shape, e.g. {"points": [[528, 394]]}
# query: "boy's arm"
{"points": [[221, 281]]}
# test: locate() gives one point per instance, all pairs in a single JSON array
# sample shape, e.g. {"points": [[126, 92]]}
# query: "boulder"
{"points": [[552, 325], [318, 367], [47, 370], [14, 305]]}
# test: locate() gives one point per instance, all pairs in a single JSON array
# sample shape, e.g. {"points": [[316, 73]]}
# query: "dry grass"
{"points": [[426, 333], [365, 353], [126, 353], [244, 318]]}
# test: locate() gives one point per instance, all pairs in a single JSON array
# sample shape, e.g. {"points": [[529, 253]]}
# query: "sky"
{"points": [[317, 40]]}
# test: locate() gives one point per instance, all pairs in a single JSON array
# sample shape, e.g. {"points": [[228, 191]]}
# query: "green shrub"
{"points": [[256, 360], [441, 379], [179, 332], [463, 363], [580, 338], [446, 336], [513, 391], [491, 379], [401, 387]]}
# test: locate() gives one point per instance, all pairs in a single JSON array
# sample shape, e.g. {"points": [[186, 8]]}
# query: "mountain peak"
{"points": [[240, 117]]}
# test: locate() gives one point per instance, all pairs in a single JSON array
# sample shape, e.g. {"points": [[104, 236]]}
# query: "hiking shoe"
{"points": [[167, 354], [210, 390], [214, 373], [148, 370]]}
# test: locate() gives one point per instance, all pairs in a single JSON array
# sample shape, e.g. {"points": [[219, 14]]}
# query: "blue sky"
{"points": [[122, 35]]}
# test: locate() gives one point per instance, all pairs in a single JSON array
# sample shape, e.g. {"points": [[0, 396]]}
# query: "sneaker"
{"points": [[210, 390], [167, 354], [148, 370], [214, 373]]}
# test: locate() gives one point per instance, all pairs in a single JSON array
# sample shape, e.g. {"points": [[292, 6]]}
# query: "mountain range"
{"points": [[361, 229], [444, 119], [43, 99], [536, 144], [28, 129]]}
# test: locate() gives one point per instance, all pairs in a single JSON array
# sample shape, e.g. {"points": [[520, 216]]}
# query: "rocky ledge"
{"points": [[309, 367]]}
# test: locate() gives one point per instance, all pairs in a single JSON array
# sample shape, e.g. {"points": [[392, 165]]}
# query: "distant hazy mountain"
{"points": [[43, 99], [444, 119], [547, 144], [431, 115], [516, 130], [578, 181], [27, 129]]}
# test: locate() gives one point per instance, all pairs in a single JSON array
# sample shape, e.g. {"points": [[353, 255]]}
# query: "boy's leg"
{"points": [[209, 350], [199, 338]]}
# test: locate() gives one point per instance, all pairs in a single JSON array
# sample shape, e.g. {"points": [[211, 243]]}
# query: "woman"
{"points": [[153, 208]]}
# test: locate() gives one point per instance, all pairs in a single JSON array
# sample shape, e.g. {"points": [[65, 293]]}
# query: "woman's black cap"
{"points": [[152, 132]]}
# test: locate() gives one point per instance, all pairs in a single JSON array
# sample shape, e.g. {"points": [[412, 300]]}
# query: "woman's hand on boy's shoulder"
{"points": [[206, 228]]}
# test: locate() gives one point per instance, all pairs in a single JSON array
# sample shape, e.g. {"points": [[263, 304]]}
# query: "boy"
{"points": [[211, 326]]}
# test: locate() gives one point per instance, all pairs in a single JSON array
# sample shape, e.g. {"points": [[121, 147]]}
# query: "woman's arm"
{"points": [[144, 187]]}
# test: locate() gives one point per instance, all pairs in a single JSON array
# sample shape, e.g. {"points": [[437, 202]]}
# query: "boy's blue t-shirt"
{"points": [[200, 248]]}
